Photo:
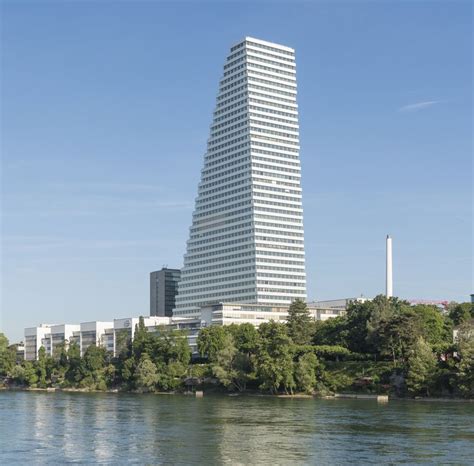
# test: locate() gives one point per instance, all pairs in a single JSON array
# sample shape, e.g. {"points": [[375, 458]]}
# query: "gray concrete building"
{"points": [[163, 290]]}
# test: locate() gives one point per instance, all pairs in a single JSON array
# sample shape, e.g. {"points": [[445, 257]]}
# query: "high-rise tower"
{"points": [[246, 241]]}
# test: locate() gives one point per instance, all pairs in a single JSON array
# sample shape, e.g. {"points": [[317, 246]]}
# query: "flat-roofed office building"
{"points": [[33, 340], [163, 291], [59, 336], [96, 333], [113, 336]]}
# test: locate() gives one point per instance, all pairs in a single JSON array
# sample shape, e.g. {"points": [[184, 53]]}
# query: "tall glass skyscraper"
{"points": [[246, 241]]}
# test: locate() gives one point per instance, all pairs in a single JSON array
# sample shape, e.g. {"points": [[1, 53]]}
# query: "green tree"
{"points": [[381, 311], [60, 354], [246, 337], [127, 370], [299, 323], [210, 341], [123, 344], [110, 375], [421, 368], [172, 375], [433, 325], [274, 358], [3, 342], [305, 372], [331, 332], [41, 367], [329, 352], [94, 359], [232, 367], [146, 374], [170, 346], [397, 335], [30, 374], [460, 313], [74, 370], [363, 320], [18, 374], [171, 355], [180, 350], [465, 367], [142, 340], [93, 368], [7, 356], [397, 332], [56, 366]]}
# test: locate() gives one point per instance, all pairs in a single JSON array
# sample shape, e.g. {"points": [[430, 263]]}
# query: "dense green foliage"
{"points": [[418, 340], [465, 372], [421, 368], [7, 355], [460, 313], [299, 323], [380, 346]]}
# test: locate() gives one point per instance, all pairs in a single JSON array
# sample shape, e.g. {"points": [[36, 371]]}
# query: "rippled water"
{"points": [[56, 428]]}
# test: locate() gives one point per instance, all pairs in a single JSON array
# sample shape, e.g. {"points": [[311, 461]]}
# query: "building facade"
{"points": [[96, 333], [124, 329], [246, 241], [33, 340], [163, 291], [59, 336], [338, 304], [256, 314], [113, 335]]}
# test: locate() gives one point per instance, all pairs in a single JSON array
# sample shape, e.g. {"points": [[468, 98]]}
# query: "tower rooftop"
{"points": [[265, 42]]}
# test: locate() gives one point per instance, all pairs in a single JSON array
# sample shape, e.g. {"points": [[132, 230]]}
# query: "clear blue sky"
{"points": [[106, 108]]}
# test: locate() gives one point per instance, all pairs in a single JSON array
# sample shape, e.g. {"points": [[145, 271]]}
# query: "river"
{"points": [[40, 428]]}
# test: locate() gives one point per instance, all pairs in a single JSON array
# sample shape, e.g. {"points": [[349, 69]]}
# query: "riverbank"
{"points": [[254, 394]]}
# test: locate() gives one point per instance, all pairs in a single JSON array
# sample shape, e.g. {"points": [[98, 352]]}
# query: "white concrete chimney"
{"points": [[388, 277]]}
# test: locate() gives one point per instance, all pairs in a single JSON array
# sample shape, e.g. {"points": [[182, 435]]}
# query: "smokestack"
{"points": [[388, 277]]}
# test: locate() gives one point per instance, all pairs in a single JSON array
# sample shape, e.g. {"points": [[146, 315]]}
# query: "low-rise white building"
{"points": [[338, 306], [20, 351], [124, 329], [33, 340], [96, 333], [114, 336], [255, 314], [58, 335]]}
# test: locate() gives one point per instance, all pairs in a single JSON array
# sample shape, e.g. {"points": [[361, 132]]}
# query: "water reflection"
{"points": [[162, 429]]}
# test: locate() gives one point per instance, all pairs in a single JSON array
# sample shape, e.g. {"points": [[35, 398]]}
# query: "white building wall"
{"points": [[338, 304], [34, 337], [93, 333], [58, 335], [105, 333], [130, 323], [228, 313], [246, 241], [102, 334]]}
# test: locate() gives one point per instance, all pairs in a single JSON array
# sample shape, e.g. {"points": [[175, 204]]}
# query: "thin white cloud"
{"points": [[419, 106]]}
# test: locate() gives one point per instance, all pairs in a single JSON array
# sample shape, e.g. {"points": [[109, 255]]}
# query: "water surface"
{"points": [[40, 428]]}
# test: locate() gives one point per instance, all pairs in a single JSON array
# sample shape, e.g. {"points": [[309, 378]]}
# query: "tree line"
{"points": [[379, 346]]}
